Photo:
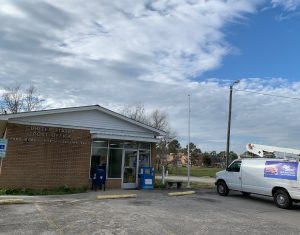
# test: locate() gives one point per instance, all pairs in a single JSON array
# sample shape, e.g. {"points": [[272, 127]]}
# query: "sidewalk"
{"points": [[207, 180], [69, 198]]}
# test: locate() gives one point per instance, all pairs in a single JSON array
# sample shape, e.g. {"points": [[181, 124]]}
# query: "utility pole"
{"points": [[229, 122], [189, 159]]}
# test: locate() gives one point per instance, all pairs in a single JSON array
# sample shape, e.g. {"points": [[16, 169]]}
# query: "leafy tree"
{"points": [[174, 146], [232, 156], [206, 159], [222, 156], [195, 153]]}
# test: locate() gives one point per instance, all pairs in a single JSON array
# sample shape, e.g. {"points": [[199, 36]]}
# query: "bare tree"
{"points": [[159, 120], [15, 100], [31, 100], [12, 99], [135, 112]]}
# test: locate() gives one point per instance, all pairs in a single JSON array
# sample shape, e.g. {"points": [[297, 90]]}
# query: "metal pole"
{"points": [[163, 175], [189, 160], [228, 128], [1, 165]]}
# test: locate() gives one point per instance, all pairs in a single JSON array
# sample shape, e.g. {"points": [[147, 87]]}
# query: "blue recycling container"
{"points": [[147, 177]]}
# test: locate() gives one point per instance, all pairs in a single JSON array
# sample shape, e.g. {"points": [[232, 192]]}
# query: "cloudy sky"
{"points": [[114, 53]]}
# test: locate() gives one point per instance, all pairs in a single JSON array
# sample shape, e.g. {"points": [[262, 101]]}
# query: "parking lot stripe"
{"points": [[102, 197], [11, 201], [181, 193], [49, 221]]}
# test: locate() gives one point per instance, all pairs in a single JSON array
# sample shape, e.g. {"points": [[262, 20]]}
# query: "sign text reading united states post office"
{"points": [[49, 135]]}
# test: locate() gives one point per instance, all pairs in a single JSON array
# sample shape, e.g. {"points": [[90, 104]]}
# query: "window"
{"points": [[144, 158], [115, 163], [99, 155], [116, 144], [235, 166], [145, 145], [130, 145], [100, 143], [109, 153]]}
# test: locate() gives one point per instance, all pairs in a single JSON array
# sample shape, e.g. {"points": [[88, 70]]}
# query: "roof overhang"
{"points": [[14, 117], [124, 137]]}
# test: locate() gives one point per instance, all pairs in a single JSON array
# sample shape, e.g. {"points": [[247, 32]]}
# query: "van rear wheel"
{"points": [[282, 199], [222, 188]]}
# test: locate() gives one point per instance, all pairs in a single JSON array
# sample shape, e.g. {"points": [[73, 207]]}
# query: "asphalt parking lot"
{"points": [[152, 212]]}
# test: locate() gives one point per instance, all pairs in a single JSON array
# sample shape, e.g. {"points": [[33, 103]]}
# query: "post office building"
{"points": [[61, 147]]}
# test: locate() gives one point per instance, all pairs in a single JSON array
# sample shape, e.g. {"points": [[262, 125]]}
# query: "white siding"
{"points": [[94, 120]]}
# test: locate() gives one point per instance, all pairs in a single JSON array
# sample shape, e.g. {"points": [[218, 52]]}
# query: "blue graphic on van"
{"points": [[281, 170]]}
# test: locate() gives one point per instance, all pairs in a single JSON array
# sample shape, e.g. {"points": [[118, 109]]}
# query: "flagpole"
{"points": [[189, 160]]}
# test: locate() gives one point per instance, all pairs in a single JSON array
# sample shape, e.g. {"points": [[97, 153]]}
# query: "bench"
{"points": [[171, 183]]}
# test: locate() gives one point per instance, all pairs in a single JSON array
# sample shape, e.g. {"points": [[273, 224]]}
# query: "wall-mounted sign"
{"points": [[3, 146]]}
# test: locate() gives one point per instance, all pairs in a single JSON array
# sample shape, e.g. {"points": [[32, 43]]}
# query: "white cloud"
{"points": [[170, 40], [11, 10], [288, 5], [124, 52], [255, 118]]}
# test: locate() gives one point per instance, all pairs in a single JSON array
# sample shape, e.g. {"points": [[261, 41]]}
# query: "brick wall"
{"points": [[113, 183], [46, 157]]}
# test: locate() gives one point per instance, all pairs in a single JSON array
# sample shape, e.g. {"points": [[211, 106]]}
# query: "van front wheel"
{"points": [[282, 199], [222, 188]]}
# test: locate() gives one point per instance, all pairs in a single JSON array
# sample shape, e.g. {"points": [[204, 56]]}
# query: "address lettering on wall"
{"points": [[49, 135]]}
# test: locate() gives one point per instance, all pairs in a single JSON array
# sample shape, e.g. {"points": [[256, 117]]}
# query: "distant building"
{"points": [[177, 159]]}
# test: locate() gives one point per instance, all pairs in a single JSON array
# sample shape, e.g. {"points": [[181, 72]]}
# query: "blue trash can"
{"points": [[147, 177]]}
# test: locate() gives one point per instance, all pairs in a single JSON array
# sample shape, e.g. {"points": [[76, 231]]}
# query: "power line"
{"points": [[278, 96]]}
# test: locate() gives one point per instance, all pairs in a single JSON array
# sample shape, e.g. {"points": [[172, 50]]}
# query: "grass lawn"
{"points": [[195, 171]]}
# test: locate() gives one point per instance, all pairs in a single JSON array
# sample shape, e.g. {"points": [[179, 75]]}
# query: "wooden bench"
{"points": [[173, 182]]}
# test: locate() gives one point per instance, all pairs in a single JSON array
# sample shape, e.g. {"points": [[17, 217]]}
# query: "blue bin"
{"points": [[147, 177]]}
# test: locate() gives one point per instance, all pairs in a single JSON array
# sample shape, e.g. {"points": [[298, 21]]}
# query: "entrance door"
{"points": [[130, 166]]}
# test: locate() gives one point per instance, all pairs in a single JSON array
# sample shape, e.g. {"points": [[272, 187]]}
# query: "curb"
{"points": [[102, 197], [59, 201], [181, 193], [11, 201]]}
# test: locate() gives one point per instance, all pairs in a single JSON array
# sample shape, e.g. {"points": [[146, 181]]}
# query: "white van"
{"points": [[277, 178]]}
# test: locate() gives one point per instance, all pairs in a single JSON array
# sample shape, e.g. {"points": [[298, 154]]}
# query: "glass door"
{"points": [[130, 166]]}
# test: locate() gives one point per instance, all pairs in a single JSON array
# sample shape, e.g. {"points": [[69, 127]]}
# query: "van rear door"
{"points": [[233, 176]]}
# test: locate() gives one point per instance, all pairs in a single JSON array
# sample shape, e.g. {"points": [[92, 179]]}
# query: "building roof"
{"points": [[4, 118]]}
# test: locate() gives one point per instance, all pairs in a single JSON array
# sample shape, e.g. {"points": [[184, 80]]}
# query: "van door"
{"points": [[233, 176]]}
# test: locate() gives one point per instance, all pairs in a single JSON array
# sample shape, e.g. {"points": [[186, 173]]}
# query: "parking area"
{"points": [[152, 212]]}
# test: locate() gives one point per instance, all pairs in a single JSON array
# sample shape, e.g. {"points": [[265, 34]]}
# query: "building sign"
{"points": [[41, 134], [281, 170], [3, 146]]}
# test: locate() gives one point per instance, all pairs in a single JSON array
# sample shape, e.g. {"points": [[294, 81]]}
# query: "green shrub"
{"points": [[159, 184], [31, 192]]}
